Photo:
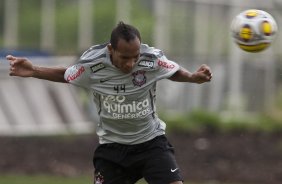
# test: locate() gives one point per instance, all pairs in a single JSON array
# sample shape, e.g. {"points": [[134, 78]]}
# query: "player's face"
{"points": [[126, 54]]}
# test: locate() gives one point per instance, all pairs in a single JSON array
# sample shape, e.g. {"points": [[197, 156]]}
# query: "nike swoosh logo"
{"points": [[173, 170], [104, 80]]}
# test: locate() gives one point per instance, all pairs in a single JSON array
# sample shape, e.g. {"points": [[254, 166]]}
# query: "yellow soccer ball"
{"points": [[253, 30]]}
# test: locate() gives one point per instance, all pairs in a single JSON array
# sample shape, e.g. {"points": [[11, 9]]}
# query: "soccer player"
{"points": [[122, 76]]}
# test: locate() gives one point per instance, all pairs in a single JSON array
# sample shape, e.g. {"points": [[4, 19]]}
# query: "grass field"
{"points": [[47, 179]]}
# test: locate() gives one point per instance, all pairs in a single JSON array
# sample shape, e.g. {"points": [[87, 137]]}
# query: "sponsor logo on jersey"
{"points": [[146, 63], [165, 64], [139, 78], [97, 67], [119, 108], [78, 72]]}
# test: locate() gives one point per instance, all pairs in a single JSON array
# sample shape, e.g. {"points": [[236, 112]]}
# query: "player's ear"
{"points": [[110, 48]]}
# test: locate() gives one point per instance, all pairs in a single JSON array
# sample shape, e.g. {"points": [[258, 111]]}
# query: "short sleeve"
{"points": [[165, 68], [78, 75]]}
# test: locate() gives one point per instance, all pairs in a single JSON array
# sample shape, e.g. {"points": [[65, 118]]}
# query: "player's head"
{"points": [[125, 32], [124, 46]]}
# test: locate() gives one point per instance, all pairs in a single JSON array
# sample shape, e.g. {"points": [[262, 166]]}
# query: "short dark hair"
{"points": [[123, 31]]}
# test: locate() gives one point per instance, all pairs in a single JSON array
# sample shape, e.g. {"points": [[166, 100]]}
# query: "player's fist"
{"points": [[203, 74], [20, 66]]}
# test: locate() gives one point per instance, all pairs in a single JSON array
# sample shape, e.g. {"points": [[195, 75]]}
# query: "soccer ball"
{"points": [[253, 30]]}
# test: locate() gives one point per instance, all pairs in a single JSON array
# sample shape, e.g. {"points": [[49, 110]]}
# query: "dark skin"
{"points": [[124, 57], [126, 54], [23, 67]]}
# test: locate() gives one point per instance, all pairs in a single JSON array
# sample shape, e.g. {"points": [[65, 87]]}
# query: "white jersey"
{"points": [[125, 102]]}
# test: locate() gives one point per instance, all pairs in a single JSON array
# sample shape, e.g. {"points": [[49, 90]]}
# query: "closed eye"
{"points": [[128, 58]]}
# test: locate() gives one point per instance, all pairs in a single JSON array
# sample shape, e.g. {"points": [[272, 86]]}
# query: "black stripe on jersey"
{"points": [[152, 97], [82, 61], [91, 49], [100, 105], [94, 47], [152, 56]]}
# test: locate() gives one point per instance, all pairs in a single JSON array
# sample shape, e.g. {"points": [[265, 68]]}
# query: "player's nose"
{"points": [[130, 64]]}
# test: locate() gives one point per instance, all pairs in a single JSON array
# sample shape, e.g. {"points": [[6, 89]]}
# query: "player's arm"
{"points": [[203, 74], [23, 67]]}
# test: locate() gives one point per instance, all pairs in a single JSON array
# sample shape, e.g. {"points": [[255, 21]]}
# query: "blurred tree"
{"points": [[1, 21], [29, 23], [31, 35], [66, 26]]}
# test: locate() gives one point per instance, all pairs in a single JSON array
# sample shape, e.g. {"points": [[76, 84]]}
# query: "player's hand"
{"points": [[203, 74], [21, 67]]}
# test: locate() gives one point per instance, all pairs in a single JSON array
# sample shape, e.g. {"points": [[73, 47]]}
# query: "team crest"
{"points": [[139, 78], [99, 179]]}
